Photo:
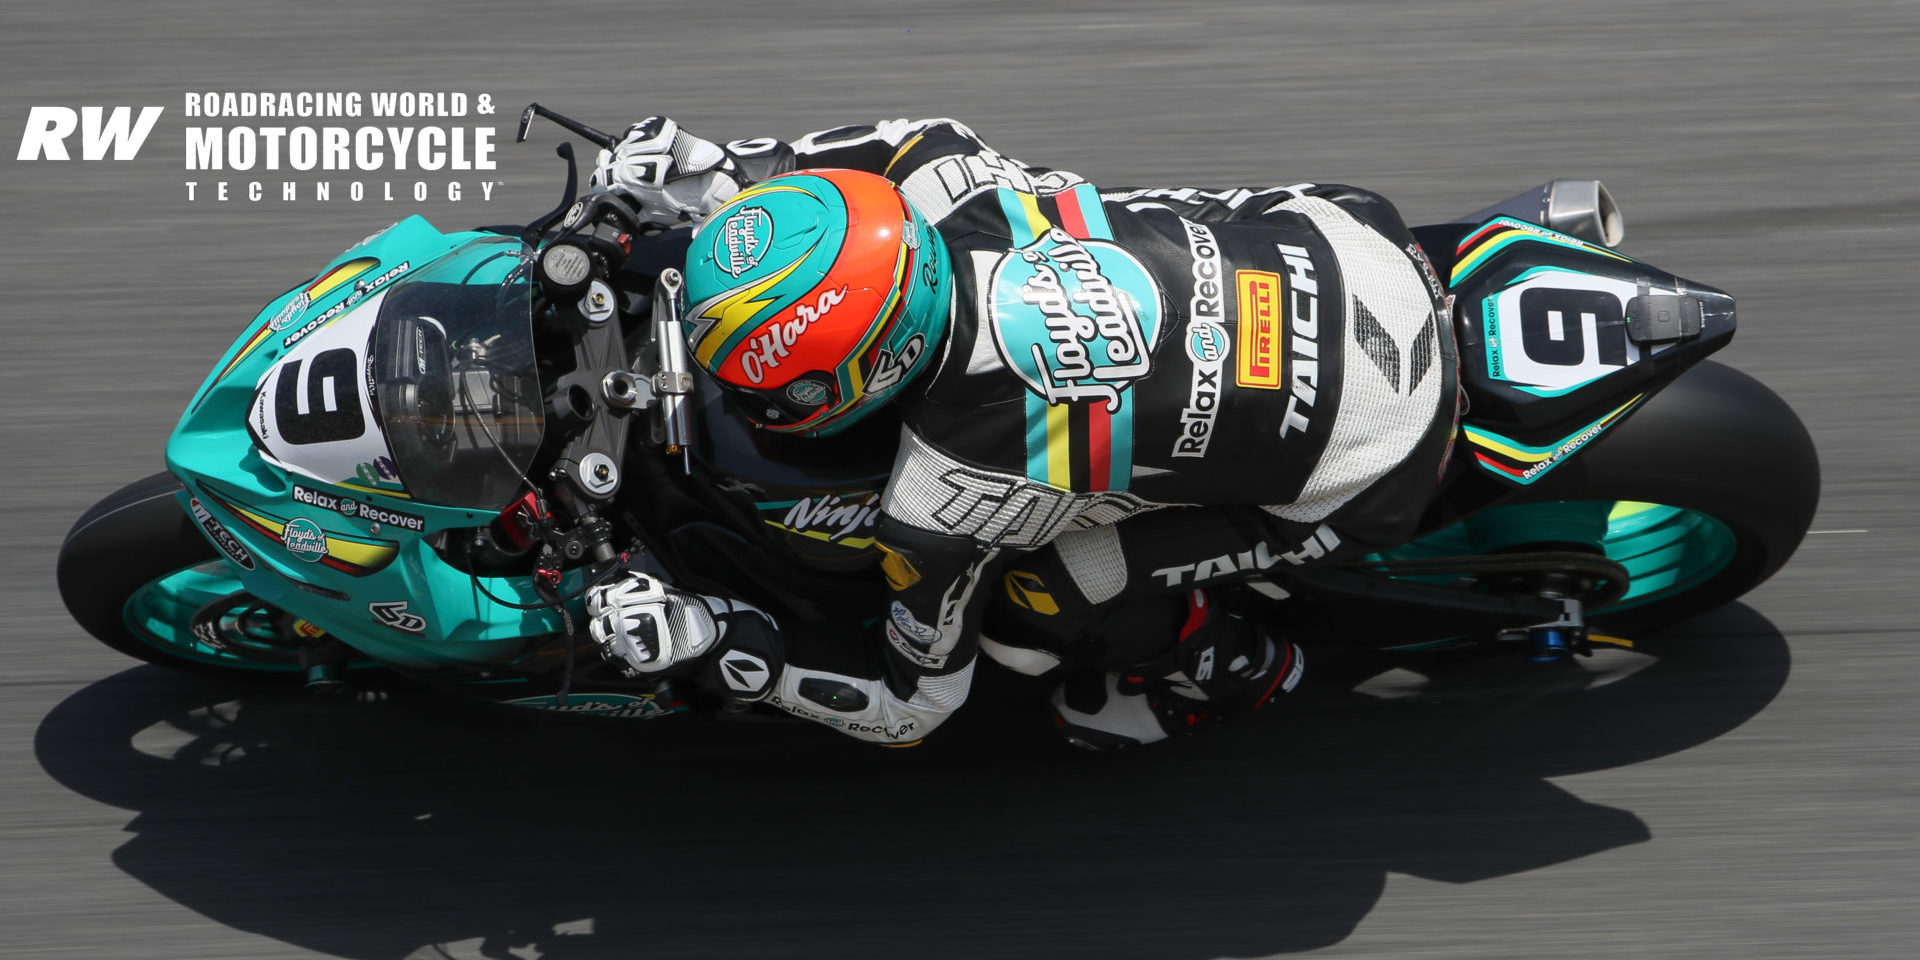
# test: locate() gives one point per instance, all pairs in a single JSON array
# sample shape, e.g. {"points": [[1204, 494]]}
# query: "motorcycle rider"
{"points": [[1111, 402]]}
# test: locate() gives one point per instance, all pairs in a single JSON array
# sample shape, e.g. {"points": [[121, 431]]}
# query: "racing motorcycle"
{"points": [[469, 429]]}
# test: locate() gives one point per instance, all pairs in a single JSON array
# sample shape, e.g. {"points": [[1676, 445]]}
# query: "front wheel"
{"points": [[136, 574]]}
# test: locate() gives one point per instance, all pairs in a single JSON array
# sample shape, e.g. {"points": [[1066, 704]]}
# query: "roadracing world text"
{"points": [[431, 138]]}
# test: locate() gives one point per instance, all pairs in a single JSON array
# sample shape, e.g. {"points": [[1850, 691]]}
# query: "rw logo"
{"points": [[48, 129]]}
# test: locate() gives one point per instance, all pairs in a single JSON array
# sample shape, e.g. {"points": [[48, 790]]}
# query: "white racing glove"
{"points": [[675, 176], [645, 626]]}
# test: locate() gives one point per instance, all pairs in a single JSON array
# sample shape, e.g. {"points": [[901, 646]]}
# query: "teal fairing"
{"points": [[363, 419]]}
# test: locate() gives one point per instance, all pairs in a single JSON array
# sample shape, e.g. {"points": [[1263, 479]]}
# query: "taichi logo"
{"points": [[49, 128]]}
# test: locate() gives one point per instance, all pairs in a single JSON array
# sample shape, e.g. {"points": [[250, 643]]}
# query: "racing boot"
{"points": [[1220, 667]]}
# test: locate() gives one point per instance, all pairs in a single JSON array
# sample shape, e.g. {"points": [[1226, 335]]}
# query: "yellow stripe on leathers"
{"points": [[897, 154], [1036, 221], [1059, 444]]}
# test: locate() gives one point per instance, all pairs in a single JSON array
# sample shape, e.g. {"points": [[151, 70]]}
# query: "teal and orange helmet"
{"points": [[815, 296]]}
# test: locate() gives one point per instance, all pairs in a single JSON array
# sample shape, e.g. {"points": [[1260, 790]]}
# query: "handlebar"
{"points": [[581, 245], [604, 140]]}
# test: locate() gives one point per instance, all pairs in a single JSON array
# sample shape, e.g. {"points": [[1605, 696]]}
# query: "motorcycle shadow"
{"points": [[422, 826]]}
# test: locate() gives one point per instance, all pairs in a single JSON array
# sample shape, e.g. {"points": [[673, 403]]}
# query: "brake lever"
{"points": [[567, 202]]}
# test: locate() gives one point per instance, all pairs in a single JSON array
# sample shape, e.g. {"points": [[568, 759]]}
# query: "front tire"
{"points": [[137, 574]]}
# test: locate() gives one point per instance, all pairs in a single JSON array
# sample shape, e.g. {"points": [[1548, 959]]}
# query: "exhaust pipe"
{"points": [[1580, 208]]}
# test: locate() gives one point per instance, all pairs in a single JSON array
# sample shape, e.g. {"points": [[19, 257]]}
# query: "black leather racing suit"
{"points": [[1168, 387]]}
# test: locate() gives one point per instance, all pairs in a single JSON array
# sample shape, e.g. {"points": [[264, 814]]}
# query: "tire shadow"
{"points": [[422, 826]]}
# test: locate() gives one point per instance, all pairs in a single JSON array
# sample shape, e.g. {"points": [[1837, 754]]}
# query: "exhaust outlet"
{"points": [[1580, 208]]}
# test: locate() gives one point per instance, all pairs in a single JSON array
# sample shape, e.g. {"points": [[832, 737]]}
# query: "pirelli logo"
{"points": [[1259, 345]]}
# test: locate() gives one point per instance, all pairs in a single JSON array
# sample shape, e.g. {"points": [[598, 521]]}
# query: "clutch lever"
{"points": [[604, 140]]}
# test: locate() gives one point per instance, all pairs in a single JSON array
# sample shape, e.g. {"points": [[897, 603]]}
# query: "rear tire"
{"points": [[1717, 442]]}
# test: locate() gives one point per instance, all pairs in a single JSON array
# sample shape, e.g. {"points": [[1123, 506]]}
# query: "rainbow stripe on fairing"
{"points": [[1060, 433], [355, 556], [1501, 232], [322, 285], [1512, 460]]}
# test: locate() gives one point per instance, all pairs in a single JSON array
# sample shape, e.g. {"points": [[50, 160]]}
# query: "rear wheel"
{"points": [[137, 574], [1720, 481], [1707, 491]]}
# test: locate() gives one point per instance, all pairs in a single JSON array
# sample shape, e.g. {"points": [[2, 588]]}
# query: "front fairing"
{"points": [[340, 539]]}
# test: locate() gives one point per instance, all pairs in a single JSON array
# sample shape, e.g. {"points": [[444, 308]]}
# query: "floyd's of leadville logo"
{"points": [[1075, 319], [807, 392], [292, 312], [602, 704], [305, 539], [742, 240]]}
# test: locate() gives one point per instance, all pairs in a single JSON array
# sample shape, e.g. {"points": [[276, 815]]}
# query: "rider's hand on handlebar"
{"points": [[645, 626], [675, 176]]}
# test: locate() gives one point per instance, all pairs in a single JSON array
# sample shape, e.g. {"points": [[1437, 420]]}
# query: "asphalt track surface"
{"points": [[1750, 795]]}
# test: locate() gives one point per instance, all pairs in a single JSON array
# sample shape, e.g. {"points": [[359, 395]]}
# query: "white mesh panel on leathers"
{"points": [[1389, 388], [1094, 561]]}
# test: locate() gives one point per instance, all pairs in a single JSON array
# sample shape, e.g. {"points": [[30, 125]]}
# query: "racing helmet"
{"points": [[815, 296]]}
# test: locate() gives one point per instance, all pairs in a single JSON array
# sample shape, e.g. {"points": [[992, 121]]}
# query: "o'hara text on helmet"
{"points": [[765, 351]]}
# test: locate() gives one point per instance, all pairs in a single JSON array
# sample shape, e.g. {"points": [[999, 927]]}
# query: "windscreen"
{"points": [[454, 376]]}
